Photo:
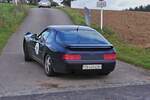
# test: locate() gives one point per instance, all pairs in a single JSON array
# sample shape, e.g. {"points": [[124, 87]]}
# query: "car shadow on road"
{"points": [[81, 76], [72, 76]]}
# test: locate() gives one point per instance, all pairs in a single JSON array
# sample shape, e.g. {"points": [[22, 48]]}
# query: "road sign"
{"points": [[101, 3]]}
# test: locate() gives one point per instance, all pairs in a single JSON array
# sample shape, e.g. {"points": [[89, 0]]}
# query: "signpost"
{"points": [[87, 14], [15, 2], [101, 4]]}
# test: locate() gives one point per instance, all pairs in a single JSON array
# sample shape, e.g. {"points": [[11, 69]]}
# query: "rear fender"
{"points": [[46, 52]]}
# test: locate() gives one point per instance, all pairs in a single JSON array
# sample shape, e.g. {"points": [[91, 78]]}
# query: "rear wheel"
{"points": [[48, 66], [26, 53]]}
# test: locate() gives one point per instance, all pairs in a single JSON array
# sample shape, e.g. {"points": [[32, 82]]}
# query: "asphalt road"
{"points": [[119, 93], [18, 77]]}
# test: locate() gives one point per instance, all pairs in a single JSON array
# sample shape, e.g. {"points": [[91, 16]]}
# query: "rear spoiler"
{"points": [[104, 46]]}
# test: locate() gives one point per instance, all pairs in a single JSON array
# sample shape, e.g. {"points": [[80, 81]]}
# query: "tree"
{"points": [[147, 8], [130, 9], [136, 8], [8, 1], [67, 2], [54, 4], [33, 1], [141, 8]]}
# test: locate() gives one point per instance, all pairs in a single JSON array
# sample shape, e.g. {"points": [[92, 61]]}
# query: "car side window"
{"points": [[44, 36], [50, 36]]}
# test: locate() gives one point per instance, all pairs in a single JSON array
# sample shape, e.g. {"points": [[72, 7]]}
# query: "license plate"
{"points": [[91, 67]]}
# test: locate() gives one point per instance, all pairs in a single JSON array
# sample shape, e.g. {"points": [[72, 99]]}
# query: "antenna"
{"points": [[78, 28]]}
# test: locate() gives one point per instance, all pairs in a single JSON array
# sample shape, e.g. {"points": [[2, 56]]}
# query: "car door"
{"points": [[42, 44], [39, 44]]}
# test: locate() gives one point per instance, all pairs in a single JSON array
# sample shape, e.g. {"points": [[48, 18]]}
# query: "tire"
{"points": [[48, 63], [26, 53]]}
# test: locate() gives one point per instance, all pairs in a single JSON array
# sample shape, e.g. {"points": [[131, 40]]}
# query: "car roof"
{"points": [[43, 0], [73, 27]]}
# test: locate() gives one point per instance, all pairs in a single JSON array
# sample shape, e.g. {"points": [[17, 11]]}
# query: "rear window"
{"points": [[80, 37], [44, 1]]}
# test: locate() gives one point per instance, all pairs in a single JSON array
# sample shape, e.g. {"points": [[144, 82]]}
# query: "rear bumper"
{"points": [[76, 66], [44, 6]]}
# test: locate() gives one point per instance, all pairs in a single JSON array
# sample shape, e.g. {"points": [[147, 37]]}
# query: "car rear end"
{"points": [[91, 60], [44, 4], [83, 53]]}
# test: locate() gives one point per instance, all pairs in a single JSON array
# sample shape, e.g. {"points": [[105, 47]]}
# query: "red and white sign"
{"points": [[101, 3]]}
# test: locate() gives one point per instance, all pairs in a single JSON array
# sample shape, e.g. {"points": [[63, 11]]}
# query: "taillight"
{"points": [[71, 57], [111, 56]]}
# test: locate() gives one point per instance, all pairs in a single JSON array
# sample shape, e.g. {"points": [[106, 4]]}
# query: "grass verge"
{"points": [[10, 19], [126, 52]]}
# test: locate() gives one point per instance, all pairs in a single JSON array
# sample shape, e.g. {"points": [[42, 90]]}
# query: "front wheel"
{"points": [[48, 66], [26, 53]]}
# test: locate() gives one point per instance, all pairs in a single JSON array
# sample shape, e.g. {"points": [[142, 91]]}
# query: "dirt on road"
{"points": [[132, 27]]}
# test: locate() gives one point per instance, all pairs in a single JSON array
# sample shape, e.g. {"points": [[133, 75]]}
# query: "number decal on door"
{"points": [[37, 48]]}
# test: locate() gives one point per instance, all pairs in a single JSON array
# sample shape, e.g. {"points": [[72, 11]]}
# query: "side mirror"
{"points": [[35, 36], [28, 33]]}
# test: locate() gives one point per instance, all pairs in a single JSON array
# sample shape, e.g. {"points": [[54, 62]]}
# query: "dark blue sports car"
{"points": [[70, 48]]}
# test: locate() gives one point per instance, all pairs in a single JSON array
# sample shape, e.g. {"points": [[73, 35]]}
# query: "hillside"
{"points": [[132, 27]]}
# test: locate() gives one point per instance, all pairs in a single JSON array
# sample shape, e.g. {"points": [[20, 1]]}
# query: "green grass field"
{"points": [[125, 52], [10, 19]]}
